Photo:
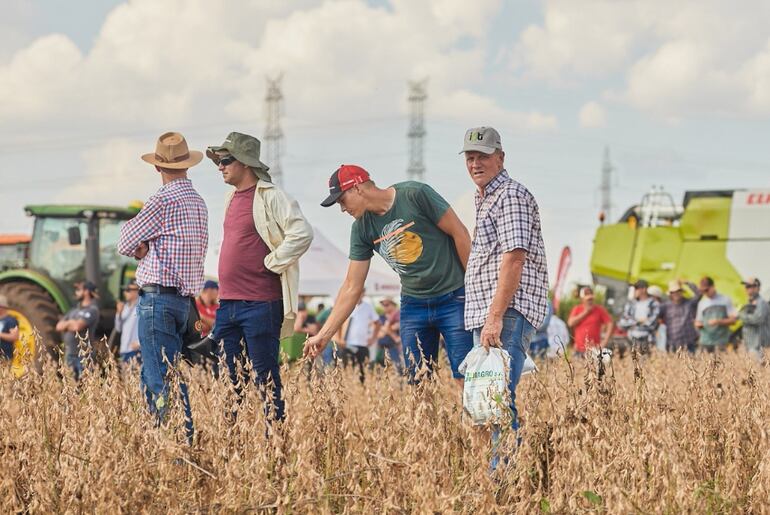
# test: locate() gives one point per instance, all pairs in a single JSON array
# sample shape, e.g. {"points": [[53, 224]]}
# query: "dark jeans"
{"points": [[258, 324], [423, 320], [356, 356], [162, 321]]}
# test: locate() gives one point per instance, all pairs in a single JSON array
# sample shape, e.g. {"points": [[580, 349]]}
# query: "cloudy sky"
{"points": [[678, 91]]}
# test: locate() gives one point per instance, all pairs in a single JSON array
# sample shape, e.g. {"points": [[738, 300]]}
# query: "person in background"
{"points": [[327, 355], [390, 333], [755, 316], [538, 347], [357, 334], [9, 330], [678, 315], [591, 323], [656, 292], [305, 322], [714, 317], [640, 318], [558, 337], [208, 303], [79, 324], [127, 322]]}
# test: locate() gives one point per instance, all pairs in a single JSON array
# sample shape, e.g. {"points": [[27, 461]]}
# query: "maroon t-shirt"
{"points": [[242, 271]]}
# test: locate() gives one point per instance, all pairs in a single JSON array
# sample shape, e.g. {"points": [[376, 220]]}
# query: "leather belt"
{"points": [[157, 288]]}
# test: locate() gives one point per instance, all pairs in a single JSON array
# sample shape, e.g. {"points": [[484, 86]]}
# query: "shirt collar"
{"points": [[495, 183]]}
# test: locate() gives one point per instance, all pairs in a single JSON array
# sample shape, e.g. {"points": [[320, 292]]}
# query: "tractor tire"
{"points": [[42, 312]]}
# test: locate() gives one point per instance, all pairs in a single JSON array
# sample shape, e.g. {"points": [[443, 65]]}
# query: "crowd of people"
{"points": [[701, 321], [458, 292]]}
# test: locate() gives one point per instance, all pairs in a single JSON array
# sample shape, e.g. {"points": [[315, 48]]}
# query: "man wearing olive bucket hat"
{"points": [[169, 238], [265, 233]]}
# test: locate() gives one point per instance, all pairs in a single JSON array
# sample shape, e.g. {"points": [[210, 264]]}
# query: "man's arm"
{"points": [[297, 232], [509, 277], [144, 227], [451, 224], [347, 298], [756, 317], [574, 320]]}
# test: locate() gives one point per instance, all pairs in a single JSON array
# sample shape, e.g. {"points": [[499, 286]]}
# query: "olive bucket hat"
{"points": [[245, 149]]}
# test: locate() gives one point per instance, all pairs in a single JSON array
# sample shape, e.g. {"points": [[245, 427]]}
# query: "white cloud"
{"points": [[339, 56], [592, 115], [686, 58], [112, 169]]}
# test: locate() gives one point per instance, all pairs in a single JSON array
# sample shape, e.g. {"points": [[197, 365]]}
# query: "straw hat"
{"points": [[171, 152], [4, 302]]}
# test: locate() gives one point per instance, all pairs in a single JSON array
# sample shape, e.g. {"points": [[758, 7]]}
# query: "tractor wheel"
{"points": [[35, 310]]}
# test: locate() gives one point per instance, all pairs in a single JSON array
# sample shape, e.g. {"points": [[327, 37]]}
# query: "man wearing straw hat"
{"points": [[265, 234], [169, 237]]}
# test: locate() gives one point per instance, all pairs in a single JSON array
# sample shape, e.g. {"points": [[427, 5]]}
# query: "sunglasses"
{"points": [[226, 160]]}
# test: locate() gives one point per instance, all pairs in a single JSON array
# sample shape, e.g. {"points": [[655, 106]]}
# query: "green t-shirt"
{"points": [[409, 240]]}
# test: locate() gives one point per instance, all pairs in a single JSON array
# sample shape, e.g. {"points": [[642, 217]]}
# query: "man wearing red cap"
{"points": [[419, 235]]}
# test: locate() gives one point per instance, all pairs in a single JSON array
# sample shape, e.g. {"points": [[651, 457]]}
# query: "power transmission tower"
{"points": [[606, 186], [416, 134], [273, 132]]}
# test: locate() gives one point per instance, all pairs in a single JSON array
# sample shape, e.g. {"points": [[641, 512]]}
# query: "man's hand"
{"points": [[314, 346], [713, 322], [141, 251], [490, 333], [134, 346], [699, 324]]}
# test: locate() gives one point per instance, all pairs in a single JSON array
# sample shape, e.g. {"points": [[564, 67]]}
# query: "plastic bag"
{"points": [[485, 392]]}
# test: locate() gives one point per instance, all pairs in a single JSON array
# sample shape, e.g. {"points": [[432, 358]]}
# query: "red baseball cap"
{"points": [[343, 179]]}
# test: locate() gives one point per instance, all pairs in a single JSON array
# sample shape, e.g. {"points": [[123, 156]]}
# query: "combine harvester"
{"points": [[724, 234]]}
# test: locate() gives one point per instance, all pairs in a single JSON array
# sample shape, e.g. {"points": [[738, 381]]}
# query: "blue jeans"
{"points": [[515, 337], [162, 321], [259, 325], [129, 356], [423, 320]]}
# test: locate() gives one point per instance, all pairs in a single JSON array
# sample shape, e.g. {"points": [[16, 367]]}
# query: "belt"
{"points": [[157, 288]]}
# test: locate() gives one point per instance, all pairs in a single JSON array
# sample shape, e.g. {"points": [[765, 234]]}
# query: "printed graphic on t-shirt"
{"points": [[398, 246]]}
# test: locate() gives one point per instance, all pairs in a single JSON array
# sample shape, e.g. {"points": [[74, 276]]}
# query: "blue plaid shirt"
{"points": [[507, 218]]}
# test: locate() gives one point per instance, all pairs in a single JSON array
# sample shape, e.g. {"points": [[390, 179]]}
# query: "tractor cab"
{"points": [[72, 244], [69, 244]]}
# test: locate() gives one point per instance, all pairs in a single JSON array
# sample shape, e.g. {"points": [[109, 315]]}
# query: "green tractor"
{"points": [[69, 244]]}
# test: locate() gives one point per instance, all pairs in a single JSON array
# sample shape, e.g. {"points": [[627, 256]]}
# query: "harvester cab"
{"points": [[69, 244]]}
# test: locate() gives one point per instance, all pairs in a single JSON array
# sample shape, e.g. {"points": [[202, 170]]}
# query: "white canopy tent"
{"points": [[323, 267]]}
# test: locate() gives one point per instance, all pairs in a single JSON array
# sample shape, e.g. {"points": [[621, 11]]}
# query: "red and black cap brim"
{"points": [[335, 190], [332, 199]]}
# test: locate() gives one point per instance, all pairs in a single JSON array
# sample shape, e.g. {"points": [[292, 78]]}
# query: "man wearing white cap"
{"points": [[506, 281]]}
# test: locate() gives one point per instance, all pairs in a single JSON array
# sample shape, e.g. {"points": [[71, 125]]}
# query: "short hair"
{"points": [[708, 281]]}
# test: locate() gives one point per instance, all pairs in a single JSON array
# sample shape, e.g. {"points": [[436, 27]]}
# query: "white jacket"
{"points": [[283, 227]]}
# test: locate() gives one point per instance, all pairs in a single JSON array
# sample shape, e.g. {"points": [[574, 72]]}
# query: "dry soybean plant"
{"points": [[672, 434]]}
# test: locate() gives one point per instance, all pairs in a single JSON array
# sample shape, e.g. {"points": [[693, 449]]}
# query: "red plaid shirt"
{"points": [[174, 223]]}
